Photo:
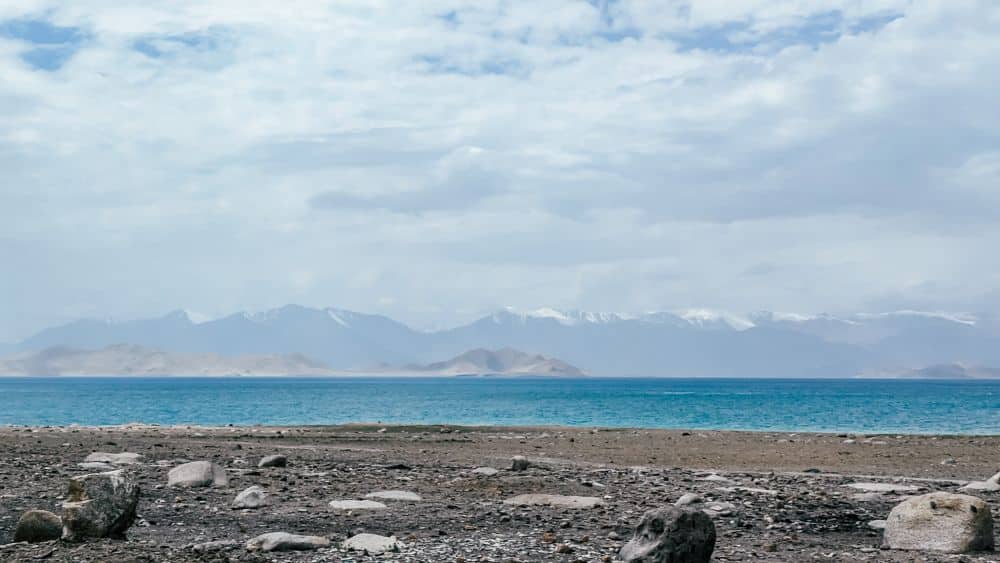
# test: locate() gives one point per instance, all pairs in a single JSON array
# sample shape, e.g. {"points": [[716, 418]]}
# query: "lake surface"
{"points": [[929, 407]]}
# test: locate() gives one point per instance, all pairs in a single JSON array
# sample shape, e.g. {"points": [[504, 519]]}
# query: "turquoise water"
{"points": [[958, 407]]}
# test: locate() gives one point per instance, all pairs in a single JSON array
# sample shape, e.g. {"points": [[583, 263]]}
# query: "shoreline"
{"points": [[788, 497]]}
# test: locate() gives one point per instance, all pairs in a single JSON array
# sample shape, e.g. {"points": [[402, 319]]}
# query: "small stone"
{"points": [[408, 496], [372, 544], [38, 526], [689, 498], [563, 548], [252, 497], [282, 541], [347, 505], [198, 474], [883, 487], [519, 463], [560, 501], [485, 471], [273, 461], [123, 458], [211, 546]]}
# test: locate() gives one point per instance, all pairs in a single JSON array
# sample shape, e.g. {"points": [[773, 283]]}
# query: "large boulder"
{"points": [[198, 474], [37, 526], [671, 535], [282, 541], [100, 505], [942, 522]]}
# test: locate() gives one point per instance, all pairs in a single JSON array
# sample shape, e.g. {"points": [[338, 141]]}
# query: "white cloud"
{"points": [[623, 155]]}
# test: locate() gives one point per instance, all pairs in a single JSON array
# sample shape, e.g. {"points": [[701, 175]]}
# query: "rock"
{"points": [[283, 541], [990, 485], [883, 487], [395, 495], [357, 505], [485, 471], [876, 524], [554, 500], [689, 498], [373, 544], [942, 522], [715, 509], [100, 505], [210, 546], [198, 474], [96, 466], [252, 497], [124, 458], [519, 463], [716, 479], [38, 526], [671, 535], [273, 461]]}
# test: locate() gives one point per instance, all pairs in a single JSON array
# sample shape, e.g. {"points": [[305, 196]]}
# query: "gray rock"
{"points": [[485, 471], [273, 461], [689, 498], [519, 463], [990, 485], [671, 535], [100, 505], [716, 509], [395, 495], [941, 522], [559, 501], [252, 497], [876, 524], [198, 474], [283, 541], [38, 526], [373, 544], [211, 546], [883, 487], [713, 478], [124, 458], [346, 505], [96, 466]]}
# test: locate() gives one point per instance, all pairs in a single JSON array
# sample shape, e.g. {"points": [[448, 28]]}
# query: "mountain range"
{"points": [[690, 343]]}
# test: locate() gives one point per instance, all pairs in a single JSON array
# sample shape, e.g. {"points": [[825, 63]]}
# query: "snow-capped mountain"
{"points": [[687, 342]]}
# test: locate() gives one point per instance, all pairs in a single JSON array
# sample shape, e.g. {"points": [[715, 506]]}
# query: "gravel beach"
{"points": [[449, 493]]}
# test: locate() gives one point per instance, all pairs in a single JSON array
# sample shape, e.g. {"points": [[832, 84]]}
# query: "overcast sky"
{"points": [[434, 160]]}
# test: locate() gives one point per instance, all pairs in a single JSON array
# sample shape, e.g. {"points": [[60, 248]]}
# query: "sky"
{"points": [[437, 160]]}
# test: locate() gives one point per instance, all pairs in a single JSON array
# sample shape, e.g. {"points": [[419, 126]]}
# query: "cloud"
{"points": [[822, 155]]}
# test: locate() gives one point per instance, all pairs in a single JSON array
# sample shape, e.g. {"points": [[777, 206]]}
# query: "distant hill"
{"points": [[506, 361], [941, 371], [689, 343], [129, 359]]}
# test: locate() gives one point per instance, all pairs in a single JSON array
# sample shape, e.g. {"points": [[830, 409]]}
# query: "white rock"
{"points": [[357, 505], [716, 509], [282, 541], [485, 471], [273, 461], [715, 479], [252, 497], [560, 501], [876, 524], [124, 458], [395, 495], [941, 522], [883, 487], [990, 485], [96, 466], [689, 498], [373, 544], [197, 474]]}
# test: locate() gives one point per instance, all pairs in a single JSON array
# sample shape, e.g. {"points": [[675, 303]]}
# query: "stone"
{"points": [[252, 497], [395, 495], [485, 471], [198, 474], [715, 509], [96, 466], [941, 522], [716, 479], [283, 541], [876, 524], [689, 498], [671, 535], [123, 458], [373, 544], [100, 505], [212, 546], [273, 461], [559, 501], [357, 505], [883, 487], [990, 485], [519, 463], [38, 526]]}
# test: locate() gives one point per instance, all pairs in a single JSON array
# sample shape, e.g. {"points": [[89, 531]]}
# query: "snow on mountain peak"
{"points": [[708, 318]]}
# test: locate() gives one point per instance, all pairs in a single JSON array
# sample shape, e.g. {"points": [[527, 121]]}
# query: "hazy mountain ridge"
{"points": [[686, 343], [506, 361]]}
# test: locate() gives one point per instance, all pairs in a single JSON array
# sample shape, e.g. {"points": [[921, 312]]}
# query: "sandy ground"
{"points": [[788, 494]]}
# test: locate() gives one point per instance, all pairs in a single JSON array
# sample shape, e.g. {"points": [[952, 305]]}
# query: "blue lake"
{"points": [[890, 406]]}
